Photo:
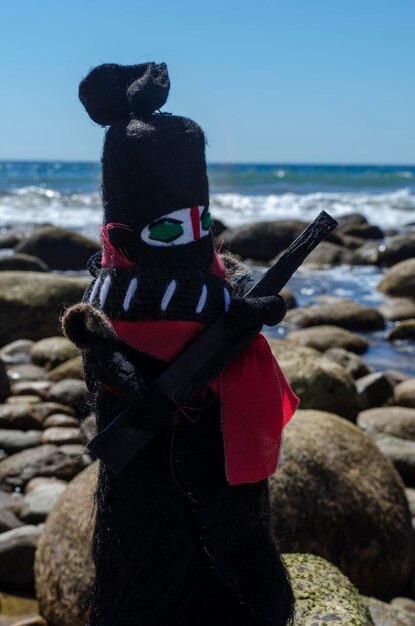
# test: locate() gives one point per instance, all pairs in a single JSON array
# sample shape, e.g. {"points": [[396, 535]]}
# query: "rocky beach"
{"points": [[343, 498]]}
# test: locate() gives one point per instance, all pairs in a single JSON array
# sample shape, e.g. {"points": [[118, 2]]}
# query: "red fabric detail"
{"points": [[218, 268], [195, 217], [113, 257], [256, 398]]}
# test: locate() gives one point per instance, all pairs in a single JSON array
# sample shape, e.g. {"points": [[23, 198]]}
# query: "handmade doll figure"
{"points": [[182, 532]]}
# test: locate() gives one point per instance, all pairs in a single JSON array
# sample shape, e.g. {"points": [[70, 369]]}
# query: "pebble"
{"points": [[38, 503], [324, 337], [60, 420], [16, 440], [404, 393], [31, 387], [61, 435]]}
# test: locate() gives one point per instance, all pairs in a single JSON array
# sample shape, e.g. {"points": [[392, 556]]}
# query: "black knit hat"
{"points": [[154, 168]]}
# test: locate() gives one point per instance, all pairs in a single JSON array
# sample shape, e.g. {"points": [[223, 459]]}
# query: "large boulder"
{"points": [[338, 312], [323, 594], [396, 249], [46, 460], [329, 254], [63, 567], [403, 330], [337, 496], [399, 281], [319, 382], [351, 362], [31, 303], [262, 241], [396, 309], [59, 248], [392, 420], [404, 393]]}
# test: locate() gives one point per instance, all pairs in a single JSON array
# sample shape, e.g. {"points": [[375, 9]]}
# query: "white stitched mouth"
{"points": [[104, 291], [171, 288], [202, 300], [130, 293]]}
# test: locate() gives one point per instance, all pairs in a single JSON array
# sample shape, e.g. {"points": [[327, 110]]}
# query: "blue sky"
{"points": [[269, 81]]}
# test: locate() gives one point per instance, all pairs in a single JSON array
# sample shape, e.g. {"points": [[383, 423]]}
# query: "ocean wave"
{"points": [[83, 211], [389, 210]]}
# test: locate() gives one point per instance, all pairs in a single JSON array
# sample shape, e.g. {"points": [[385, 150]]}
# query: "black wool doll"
{"points": [[182, 533]]}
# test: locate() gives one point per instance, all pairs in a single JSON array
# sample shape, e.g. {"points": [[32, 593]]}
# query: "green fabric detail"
{"points": [[165, 230], [206, 220]]}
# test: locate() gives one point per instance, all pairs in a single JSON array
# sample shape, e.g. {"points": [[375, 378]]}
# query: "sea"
{"points": [[68, 194]]}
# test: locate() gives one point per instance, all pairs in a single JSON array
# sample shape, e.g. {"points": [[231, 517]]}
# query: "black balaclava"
{"points": [[154, 187]]}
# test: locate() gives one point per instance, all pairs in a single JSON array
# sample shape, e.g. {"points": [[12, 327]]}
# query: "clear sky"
{"points": [[312, 81]]}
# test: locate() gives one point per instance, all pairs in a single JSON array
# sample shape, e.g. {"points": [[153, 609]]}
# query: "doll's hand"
{"points": [[269, 310]]}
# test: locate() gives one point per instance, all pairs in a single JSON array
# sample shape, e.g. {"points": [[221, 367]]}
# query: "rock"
{"points": [[329, 254], [89, 427], [337, 496], [373, 390], [323, 594], [29, 416], [365, 231], [410, 495], [405, 604], [351, 242], [53, 351], [262, 240], [17, 351], [289, 298], [218, 227], [71, 392], [404, 393], [339, 312], [60, 248], [46, 460], [17, 552], [76, 450], [319, 382], [396, 249], [72, 368], [63, 567], [367, 253], [20, 372], [19, 417], [31, 303], [8, 521], [61, 435], [60, 420], [4, 382], [16, 440], [322, 338], [31, 387], [22, 263], [401, 452], [397, 309], [38, 503], [384, 614], [23, 400], [41, 481], [395, 377], [32, 620], [351, 219], [403, 330], [399, 281], [12, 502], [391, 420], [351, 362]]}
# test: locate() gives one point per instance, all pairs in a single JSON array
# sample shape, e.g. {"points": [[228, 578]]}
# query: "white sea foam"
{"points": [[389, 210], [82, 211]]}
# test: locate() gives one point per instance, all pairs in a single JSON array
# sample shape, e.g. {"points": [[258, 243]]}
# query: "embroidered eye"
{"points": [[166, 230], [206, 220]]}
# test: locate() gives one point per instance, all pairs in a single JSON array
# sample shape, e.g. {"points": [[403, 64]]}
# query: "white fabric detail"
{"points": [[227, 299], [202, 300], [104, 291], [94, 289], [183, 215], [130, 293], [168, 294]]}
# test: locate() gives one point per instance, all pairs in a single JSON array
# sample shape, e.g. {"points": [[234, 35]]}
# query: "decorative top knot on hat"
{"points": [[112, 92]]}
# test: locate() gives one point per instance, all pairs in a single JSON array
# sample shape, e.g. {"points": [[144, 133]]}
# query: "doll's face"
{"points": [[178, 238]]}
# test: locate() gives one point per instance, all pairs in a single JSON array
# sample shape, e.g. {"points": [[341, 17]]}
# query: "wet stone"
{"points": [[17, 351], [60, 420], [25, 372], [61, 435], [38, 503], [16, 440]]}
